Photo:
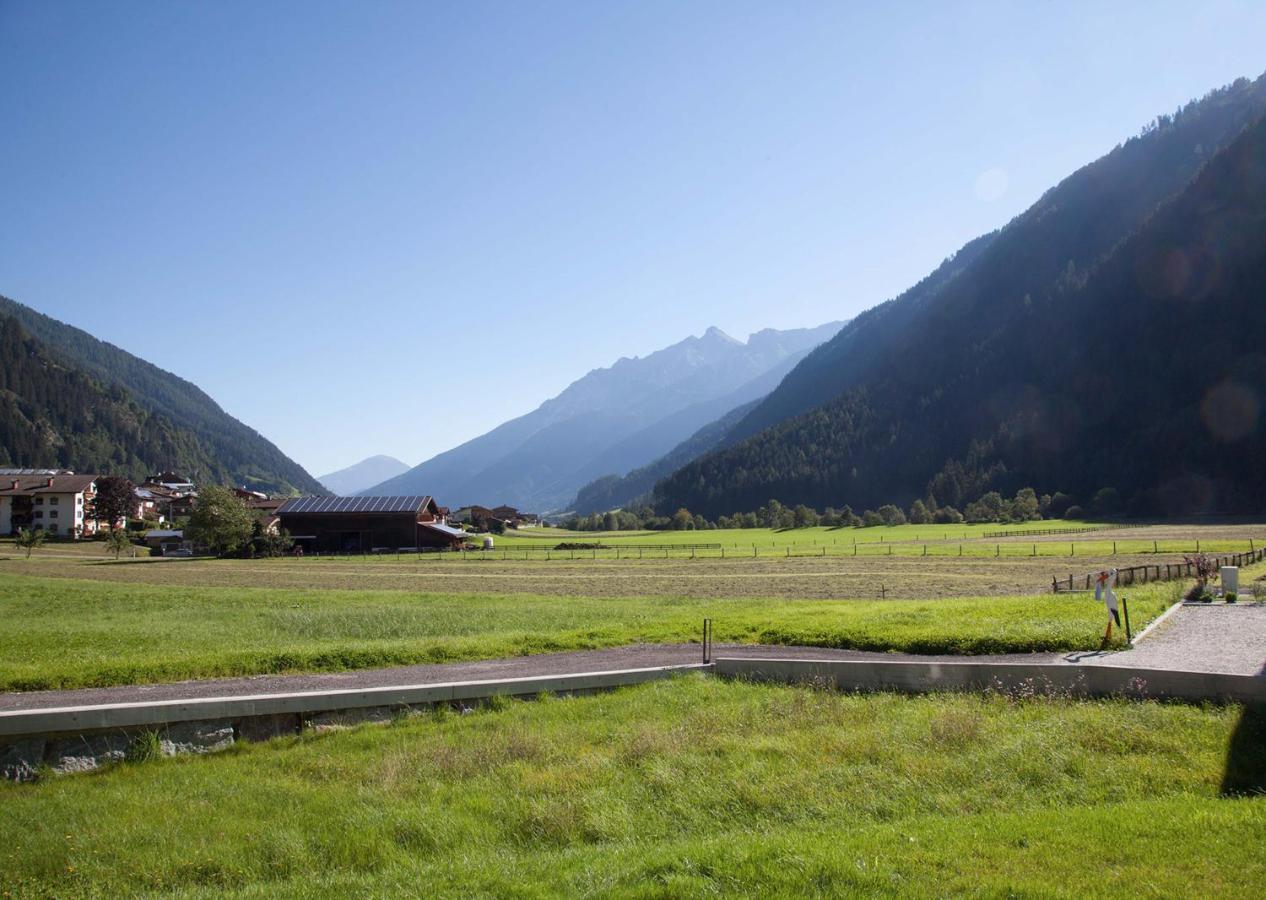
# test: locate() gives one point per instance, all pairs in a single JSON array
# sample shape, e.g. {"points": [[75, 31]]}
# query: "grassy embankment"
{"points": [[689, 787], [62, 633]]}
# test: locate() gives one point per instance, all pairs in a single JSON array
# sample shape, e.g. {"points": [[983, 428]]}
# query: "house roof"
{"points": [[357, 505], [62, 484], [272, 503], [444, 529]]}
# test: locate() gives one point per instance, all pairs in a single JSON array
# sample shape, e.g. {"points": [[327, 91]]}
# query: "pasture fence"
{"points": [[1153, 572], [1032, 532]]}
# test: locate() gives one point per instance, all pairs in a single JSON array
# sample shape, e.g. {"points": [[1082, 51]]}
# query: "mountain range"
{"points": [[70, 400], [364, 474], [1108, 337], [610, 421]]}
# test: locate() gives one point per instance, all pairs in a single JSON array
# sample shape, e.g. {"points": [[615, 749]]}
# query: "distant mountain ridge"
{"points": [[365, 474], [1108, 337], [609, 421], [227, 450]]}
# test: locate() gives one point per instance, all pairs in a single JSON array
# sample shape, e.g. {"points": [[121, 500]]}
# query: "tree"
{"points": [[919, 513], [220, 521], [1106, 502], [989, 508], [683, 520], [870, 519], [30, 539], [117, 541], [1025, 506], [115, 499], [805, 517], [892, 515], [271, 543], [1059, 504], [948, 515]]}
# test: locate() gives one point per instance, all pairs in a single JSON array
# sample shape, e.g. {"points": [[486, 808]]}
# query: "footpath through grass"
{"points": [[689, 787], [64, 633]]}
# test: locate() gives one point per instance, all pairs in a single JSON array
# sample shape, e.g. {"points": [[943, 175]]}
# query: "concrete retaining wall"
{"points": [[81, 738], [1017, 678]]}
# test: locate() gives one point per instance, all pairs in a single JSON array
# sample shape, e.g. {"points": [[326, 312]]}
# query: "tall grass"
{"points": [[693, 786]]}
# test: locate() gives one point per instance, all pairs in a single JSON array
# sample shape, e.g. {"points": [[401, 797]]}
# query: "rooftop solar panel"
{"points": [[364, 505]]}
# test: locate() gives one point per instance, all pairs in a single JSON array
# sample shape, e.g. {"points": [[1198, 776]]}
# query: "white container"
{"points": [[488, 543], [1230, 576]]}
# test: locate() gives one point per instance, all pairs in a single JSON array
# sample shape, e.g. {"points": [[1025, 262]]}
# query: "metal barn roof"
{"points": [[360, 505]]}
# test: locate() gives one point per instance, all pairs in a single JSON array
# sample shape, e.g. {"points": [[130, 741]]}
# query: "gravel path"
{"points": [[1216, 637]]}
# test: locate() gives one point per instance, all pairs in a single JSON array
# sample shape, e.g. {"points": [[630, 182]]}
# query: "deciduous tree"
{"points": [[220, 521]]}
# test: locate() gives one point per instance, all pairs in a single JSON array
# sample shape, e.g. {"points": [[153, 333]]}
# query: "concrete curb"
{"points": [[1014, 678], [75, 719]]}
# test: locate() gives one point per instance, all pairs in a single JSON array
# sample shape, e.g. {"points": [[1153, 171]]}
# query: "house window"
{"points": [[52, 514], [52, 501], [52, 529], [39, 501], [39, 514], [79, 501]]}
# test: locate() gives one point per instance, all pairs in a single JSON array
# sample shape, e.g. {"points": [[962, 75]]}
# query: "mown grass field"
{"points": [[61, 633], [691, 787], [630, 566]]}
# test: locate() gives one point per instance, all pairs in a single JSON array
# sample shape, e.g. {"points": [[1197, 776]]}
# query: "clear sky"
{"points": [[387, 227]]}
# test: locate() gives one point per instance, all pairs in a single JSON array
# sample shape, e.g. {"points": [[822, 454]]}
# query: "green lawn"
{"points": [[688, 787], [61, 633]]}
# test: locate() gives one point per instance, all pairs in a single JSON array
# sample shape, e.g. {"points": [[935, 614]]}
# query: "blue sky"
{"points": [[387, 227]]}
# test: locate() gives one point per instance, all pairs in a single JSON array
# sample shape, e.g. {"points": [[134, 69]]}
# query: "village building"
{"points": [[59, 503], [366, 524], [483, 517]]}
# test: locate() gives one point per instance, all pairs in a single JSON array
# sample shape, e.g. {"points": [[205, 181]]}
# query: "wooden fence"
{"points": [[1020, 532], [1154, 572]]}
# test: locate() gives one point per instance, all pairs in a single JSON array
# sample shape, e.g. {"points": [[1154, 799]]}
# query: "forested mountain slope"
{"points": [[1108, 337], [238, 453], [53, 415]]}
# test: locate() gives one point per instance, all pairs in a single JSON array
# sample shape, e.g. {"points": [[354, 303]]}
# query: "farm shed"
{"points": [[365, 524]]}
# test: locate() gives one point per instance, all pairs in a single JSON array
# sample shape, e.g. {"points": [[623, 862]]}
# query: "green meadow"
{"points": [[689, 787]]}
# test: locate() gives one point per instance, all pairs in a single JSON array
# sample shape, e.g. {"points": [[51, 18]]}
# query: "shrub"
{"points": [[1074, 512]]}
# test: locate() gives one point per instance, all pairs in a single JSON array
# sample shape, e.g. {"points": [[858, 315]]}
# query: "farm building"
{"points": [[366, 524]]}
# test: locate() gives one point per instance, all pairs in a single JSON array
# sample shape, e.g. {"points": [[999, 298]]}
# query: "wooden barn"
{"points": [[366, 524]]}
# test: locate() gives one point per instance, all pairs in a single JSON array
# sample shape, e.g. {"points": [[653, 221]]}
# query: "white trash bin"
{"points": [[1230, 577]]}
